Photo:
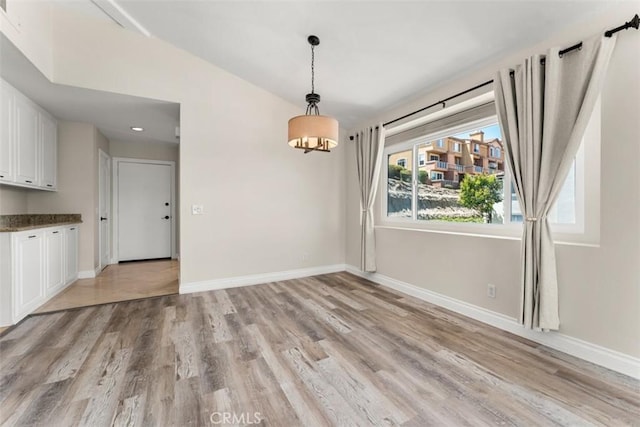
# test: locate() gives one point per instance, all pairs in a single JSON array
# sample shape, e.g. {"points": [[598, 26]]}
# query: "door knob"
{"points": [[103, 218], [166, 217]]}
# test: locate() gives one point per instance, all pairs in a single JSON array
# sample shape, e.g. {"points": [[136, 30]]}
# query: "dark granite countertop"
{"points": [[11, 223]]}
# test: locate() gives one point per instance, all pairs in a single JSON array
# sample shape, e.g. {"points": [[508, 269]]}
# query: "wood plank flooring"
{"points": [[327, 350], [119, 282]]}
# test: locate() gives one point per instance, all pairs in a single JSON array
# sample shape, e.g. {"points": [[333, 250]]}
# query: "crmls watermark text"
{"points": [[234, 418]]}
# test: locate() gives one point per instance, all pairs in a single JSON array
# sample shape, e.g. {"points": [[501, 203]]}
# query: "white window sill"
{"points": [[485, 231]]}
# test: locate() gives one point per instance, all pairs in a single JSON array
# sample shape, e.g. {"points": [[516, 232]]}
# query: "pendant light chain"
{"points": [[313, 71]]}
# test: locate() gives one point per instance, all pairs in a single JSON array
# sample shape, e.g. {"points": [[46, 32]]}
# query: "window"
{"points": [[437, 176], [476, 148], [440, 143], [399, 184], [421, 161], [432, 193]]}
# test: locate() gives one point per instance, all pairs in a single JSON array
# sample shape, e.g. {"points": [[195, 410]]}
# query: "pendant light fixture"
{"points": [[313, 132]]}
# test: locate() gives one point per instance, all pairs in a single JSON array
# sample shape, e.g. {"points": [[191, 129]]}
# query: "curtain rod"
{"points": [[634, 23]]}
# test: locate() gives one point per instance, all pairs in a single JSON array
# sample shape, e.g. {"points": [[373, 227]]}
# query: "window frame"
{"points": [[585, 230]]}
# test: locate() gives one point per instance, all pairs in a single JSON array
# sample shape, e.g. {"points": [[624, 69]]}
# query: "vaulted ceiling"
{"points": [[373, 54]]}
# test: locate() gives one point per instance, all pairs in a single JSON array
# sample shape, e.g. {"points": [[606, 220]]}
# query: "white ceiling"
{"points": [[112, 114], [373, 54]]}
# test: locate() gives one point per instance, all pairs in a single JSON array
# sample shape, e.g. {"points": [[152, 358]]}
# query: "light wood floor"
{"points": [[328, 350], [119, 282]]}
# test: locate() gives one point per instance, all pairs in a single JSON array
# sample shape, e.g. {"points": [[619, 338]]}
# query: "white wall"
{"points": [[599, 286], [13, 200], [144, 150], [267, 206]]}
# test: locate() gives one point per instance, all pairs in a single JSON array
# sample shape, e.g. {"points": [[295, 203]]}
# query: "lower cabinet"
{"points": [[36, 265], [29, 265], [54, 242], [71, 260]]}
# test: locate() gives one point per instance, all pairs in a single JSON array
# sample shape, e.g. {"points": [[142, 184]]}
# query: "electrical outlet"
{"points": [[491, 290], [197, 209]]}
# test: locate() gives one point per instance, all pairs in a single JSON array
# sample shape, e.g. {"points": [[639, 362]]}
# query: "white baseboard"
{"points": [[593, 353], [86, 274], [89, 274], [257, 279]]}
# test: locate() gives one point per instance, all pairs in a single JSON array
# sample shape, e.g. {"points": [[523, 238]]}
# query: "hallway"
{"points": [[119, 282]]}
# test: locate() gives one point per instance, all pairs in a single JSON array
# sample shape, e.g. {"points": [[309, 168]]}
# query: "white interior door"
{"points": [[104, 207], [144, 211]]}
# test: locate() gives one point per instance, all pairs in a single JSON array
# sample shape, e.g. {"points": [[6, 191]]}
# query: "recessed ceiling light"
{"points": [[137, 129]]}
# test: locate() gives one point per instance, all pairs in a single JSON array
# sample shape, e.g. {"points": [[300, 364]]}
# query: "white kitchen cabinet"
{"points": [[7, 140], [27, 145], [49, 162], [29, 269], [35, 265], [28, 142], [56, 260], [71, 245]]}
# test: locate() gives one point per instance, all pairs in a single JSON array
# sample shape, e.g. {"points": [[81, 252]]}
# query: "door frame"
{"points": [[108, 198], [115, 161]]}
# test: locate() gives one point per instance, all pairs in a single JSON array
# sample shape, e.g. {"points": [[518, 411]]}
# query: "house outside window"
{"points": [[421, 160]]}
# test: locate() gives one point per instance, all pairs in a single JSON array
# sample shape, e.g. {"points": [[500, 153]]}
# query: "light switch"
{"points": [[197, 209]]}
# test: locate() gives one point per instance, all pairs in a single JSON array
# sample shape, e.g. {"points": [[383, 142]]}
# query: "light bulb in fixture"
{"points": [[137, 128]]}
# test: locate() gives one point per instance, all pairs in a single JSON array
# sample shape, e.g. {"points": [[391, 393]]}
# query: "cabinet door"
{"points": [[55, 274], [49, 141], [71, 264], [29, 273], [7, 134], [26, 126]]}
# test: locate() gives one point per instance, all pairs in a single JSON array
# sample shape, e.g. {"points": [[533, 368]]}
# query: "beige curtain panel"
{"points": [[543, 107], [369, 149]]}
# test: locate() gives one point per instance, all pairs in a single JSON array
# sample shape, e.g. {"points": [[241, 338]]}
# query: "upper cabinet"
{"points": [[49, 161], [7, 155], [28, 142]]}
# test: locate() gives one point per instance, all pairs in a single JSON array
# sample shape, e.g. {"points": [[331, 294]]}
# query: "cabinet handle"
{"points": [[55, 232], [49, 185], [31, 237], [72, 228], [1, 176], [28, 182]]}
